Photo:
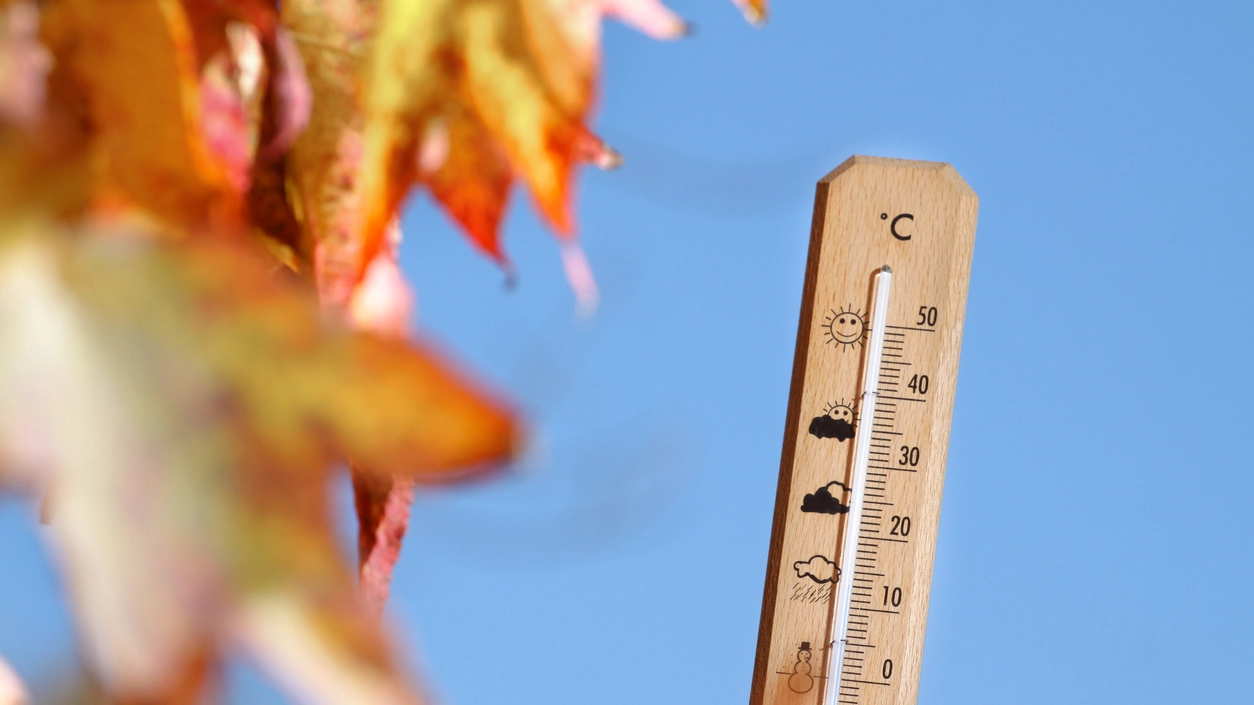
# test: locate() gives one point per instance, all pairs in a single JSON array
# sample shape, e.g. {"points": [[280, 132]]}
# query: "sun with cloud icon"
{"points": [[845, 328], [842, 410], [838, 420]]}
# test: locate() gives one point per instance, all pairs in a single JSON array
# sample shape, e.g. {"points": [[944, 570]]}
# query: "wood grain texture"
{"points": [[919, 219]]}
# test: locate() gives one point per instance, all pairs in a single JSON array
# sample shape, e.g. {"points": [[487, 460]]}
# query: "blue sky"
{"points": [[1095, 543]]}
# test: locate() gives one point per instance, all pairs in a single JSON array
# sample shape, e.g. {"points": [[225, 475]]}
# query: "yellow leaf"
{"points": [[325, 160], [184, 409], [492, 72], [460, 95], [503, 87], [135, 64]]}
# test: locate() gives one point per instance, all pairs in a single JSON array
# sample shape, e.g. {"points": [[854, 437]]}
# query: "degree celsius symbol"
{"points": [[892, 227]]}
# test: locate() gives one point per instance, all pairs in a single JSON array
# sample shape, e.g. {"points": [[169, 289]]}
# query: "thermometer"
{"points": [[849, 571]]}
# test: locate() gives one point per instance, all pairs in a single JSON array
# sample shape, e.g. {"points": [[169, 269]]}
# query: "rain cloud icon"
{"points": [[818, 569]]}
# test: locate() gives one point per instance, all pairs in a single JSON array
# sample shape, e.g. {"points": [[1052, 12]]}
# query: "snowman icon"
{"points": [[801, 681]]}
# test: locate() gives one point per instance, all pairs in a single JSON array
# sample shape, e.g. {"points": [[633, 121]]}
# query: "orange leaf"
{"points": [[499, 68], [473, 180], [460, 96], [136, 66], [507, 85], [186, 410]]}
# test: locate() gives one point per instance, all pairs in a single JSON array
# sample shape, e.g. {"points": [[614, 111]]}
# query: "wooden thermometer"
{"points": [[850, 565]]}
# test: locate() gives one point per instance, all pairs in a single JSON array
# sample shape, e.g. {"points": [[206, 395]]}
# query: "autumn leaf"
{"points": [[497, 88], [177, 395], [469, 174], [143, 104], [325, 160], [459, 97], [497, 73], [183, 425], [322, 173]]}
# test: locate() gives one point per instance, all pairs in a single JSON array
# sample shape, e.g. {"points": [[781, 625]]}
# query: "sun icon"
{"points": [[845, 328], [842, 411]]}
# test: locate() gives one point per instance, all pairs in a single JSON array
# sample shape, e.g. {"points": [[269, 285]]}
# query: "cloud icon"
{"points": [[828, 427], [824, 502], [818, 569]]}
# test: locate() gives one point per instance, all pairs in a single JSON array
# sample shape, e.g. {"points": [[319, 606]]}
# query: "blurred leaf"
{"points": [[184, 424], [322, 171], [24, 64], [381, 304], [325, 160], [293, 95], [143, 106], [754, 10], [179, 400]]}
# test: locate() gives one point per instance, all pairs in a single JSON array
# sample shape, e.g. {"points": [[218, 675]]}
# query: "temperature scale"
{"points": [[863, 466]]}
